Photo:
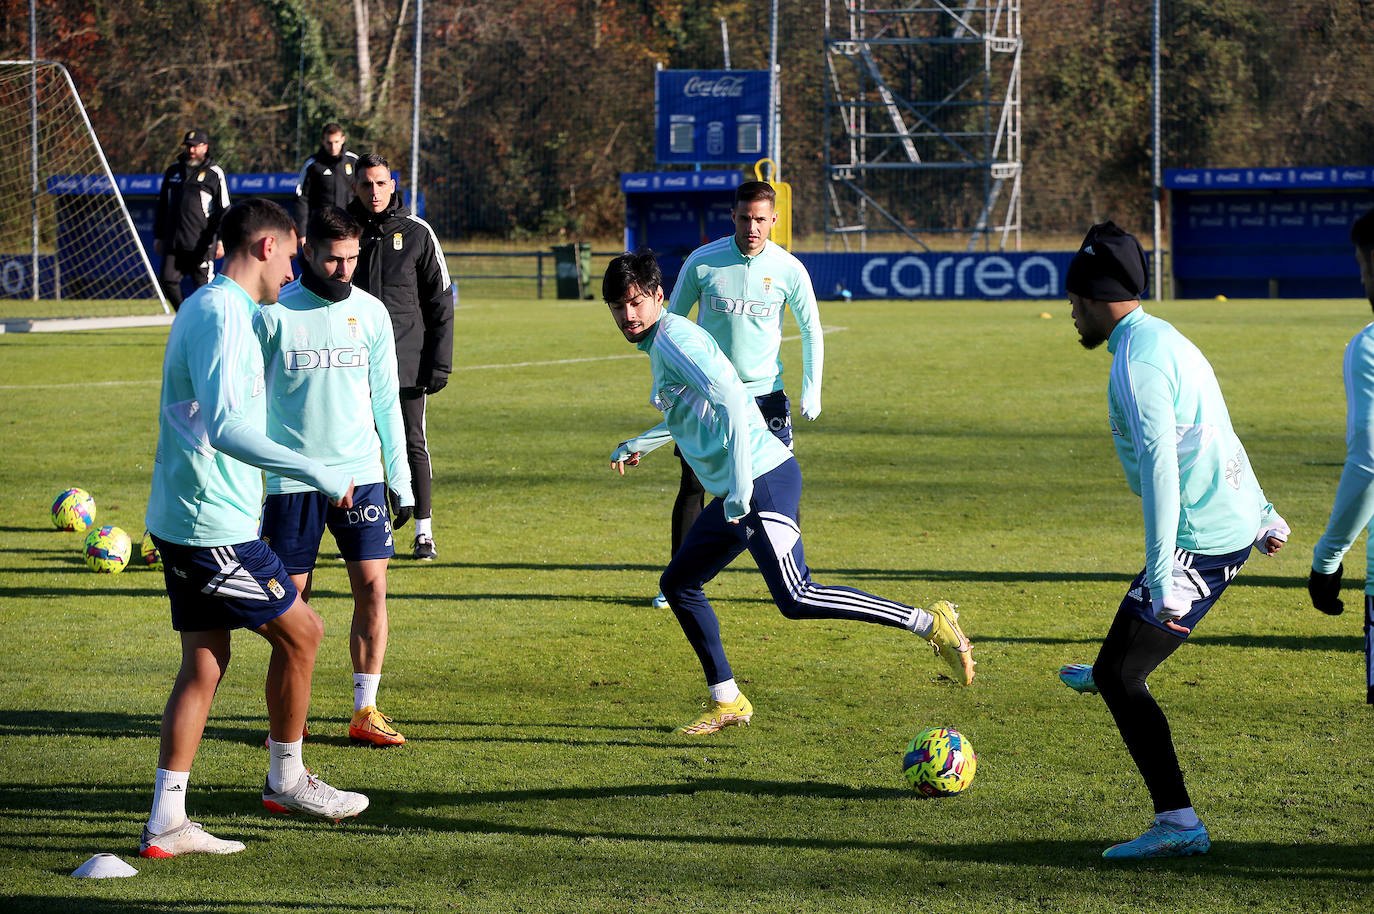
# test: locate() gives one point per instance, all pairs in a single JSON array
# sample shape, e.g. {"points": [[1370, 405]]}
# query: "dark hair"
{"points": [[329, 223], [750, 191], [330, 129], [247, 220], [1362, 231], [630, 270], [371, 160]]}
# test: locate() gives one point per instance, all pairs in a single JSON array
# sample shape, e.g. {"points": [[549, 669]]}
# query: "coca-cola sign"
{"points": [[710, 116], [720, 87]]}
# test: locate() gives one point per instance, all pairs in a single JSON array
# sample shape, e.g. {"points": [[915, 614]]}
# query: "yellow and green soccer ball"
{"points": [[148, 554], [73, 510], [939, 762], [108, 550]]}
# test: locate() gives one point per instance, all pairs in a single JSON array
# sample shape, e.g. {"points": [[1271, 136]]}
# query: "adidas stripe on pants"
{"points": [[771, 535]]}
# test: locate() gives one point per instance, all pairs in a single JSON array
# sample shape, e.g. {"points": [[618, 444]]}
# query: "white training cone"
{"points": [[104, 866]]}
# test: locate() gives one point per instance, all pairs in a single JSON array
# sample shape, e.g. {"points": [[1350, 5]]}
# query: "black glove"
{"points": [[401, 515], [1325, 590], [436, 383]]}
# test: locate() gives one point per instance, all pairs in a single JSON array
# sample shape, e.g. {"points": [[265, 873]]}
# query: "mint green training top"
{"points": [[331, 385], [707, 411], [207, 485], [741, 303], [1354, 505], [1174, 438]]}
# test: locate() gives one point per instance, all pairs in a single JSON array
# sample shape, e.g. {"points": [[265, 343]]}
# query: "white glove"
{"points": [[1277, 529], [1170, 608], [811, 406]]}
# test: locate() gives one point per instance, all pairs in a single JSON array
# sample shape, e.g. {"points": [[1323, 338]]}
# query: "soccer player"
{"points": [[401, 263], [741, 285], [723, 436], [203, 513], [332, 396], [1204, 511], [1354, 506]]}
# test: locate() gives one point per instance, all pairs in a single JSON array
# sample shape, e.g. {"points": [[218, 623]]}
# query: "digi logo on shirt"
{"points": [[743, 306], [343, 357]]}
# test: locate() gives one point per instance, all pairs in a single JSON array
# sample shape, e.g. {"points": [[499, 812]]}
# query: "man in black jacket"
{"points": [[326, 178], [193, 197], [401, 263]]}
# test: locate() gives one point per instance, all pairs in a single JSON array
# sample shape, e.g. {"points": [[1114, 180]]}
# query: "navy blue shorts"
{"points": [[293, 525], [777, 412], [1201, 578], [223, 587]]}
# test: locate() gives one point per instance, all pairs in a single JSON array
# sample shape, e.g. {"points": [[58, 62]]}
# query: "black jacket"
{"points": [[325, 181], [401, 263], [189, 207]]}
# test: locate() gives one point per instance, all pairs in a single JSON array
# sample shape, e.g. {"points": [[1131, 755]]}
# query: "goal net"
{"points": [[66, 234]]}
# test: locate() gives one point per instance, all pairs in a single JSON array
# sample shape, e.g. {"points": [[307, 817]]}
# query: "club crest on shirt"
{"points": [[201, 176], [396, 241], [348, 168], [767, 284], [353, 330], [277, 590], [300, 337]]}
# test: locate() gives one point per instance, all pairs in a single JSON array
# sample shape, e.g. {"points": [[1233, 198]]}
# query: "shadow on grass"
{"points": [[521, 813], [1330, 643], [252, 730]]}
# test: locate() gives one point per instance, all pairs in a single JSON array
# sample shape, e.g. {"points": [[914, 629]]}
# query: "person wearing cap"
{"points": [[192, 200], [1204, 511]]}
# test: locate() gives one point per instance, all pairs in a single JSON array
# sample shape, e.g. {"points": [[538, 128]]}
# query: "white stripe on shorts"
{"points": [[233, 581]]}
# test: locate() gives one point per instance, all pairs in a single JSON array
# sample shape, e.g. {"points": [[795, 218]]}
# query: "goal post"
{"points": [[65, 231]]}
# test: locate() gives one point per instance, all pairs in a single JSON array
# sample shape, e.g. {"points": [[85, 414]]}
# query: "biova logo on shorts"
{"points": [[343, 357], [363, 514]]}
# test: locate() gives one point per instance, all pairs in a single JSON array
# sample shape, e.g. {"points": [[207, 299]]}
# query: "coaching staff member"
{"points": [[400, 263], [326, 177], [193, 198]]}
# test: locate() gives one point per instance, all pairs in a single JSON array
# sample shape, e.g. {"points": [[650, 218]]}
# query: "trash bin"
{"points": [[573, 269]]}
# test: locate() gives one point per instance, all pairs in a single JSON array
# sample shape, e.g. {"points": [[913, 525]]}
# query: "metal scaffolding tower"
{"points": [[923, 120]]}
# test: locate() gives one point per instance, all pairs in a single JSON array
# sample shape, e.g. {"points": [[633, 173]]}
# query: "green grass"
{"points": [[963, 453]]}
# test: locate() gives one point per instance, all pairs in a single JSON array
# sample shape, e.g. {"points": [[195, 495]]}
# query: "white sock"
{"points": [[1179, 818], [365, 690], [169, 800], [285, 764], [922, 622], [423, 528], [725, 691]]}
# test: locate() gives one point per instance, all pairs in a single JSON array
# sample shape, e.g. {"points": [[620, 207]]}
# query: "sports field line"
{"points": [[590, 358], [600, 358]]}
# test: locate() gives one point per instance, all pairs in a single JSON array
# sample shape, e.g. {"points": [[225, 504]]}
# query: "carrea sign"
{"points": [[710, 116], [939, 274]]}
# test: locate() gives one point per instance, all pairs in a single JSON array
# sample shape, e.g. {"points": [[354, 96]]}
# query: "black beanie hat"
{"points": [[1109, 266]]}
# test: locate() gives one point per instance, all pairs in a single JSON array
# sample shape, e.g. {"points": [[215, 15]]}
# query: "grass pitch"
{"points": [[963, 453]]}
